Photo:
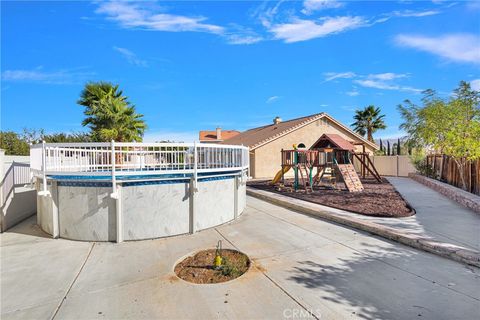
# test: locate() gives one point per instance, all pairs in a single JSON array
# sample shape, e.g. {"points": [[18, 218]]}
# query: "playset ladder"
{"points": [[350, 177], [308, 179]]}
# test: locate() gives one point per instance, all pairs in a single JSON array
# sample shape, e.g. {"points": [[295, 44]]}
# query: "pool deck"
{"points": [[303, 268]]}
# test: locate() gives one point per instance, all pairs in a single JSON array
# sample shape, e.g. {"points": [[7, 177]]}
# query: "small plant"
{"points": [[229, 270]]}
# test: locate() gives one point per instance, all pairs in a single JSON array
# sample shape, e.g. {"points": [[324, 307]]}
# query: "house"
{"points": [[266, 142], [216, 136]]}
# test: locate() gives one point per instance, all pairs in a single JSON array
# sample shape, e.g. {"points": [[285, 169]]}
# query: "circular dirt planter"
{"points": [[199, 267]]}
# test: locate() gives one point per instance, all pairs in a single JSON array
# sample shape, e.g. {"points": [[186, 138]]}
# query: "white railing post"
{"points": [[13, 173], [193, 188], [116, 196], [114, 182], [44, 169], [3, 180], [195, 166]]}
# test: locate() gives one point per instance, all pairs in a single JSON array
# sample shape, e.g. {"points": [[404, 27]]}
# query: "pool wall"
{"points": [[147, 209]]}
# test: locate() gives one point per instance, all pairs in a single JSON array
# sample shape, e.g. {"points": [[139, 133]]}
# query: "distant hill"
{"points": [[393, 143], [391, 140]]}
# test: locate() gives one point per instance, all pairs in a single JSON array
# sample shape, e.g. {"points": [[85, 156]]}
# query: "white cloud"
{"points": [[272, 99], [353, 93], [132, 15], [301, 30], [241, 35], [375, 84], [405, 14], [310, 6], [329, 76], [381, 20], [145, 16], [385, 85], [239, 39], [455, 47], [384, 81], [475, 84], [267, 15], [65, 76], [386, 76], [131, 57], [417, 14]]}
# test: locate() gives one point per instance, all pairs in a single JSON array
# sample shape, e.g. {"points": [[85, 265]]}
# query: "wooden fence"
{"points": [[445, 169]]}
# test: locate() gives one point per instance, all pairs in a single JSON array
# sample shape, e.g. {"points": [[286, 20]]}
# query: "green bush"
{"points": [[419, 161]]}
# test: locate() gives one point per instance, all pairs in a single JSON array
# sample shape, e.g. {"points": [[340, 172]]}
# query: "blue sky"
{"points": [[189, 66]]}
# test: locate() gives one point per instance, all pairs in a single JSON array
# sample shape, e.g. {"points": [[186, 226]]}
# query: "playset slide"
{"points": [[279, 174]]}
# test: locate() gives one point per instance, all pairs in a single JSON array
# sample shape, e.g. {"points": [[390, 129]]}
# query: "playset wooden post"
{"points": [[332, 156]]}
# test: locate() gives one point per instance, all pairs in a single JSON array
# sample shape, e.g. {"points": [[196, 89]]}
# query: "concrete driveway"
{"points": [[303, 268]]}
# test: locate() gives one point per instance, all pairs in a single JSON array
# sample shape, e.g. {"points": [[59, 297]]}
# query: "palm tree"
{"points": [[367, 121], [109, 114]]}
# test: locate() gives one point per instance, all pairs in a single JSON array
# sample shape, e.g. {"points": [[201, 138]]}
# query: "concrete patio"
{"points": [[303, 268]]}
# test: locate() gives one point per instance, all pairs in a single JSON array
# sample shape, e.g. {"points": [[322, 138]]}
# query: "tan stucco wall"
{"points": [[252, 163], [267, 159]]}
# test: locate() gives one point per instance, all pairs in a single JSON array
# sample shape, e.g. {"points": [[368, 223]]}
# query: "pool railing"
{"points": [[122, 159]]}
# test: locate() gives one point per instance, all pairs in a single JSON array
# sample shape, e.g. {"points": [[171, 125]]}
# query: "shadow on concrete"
{"points": [[29, 227], [357, 281], [20, 204]]}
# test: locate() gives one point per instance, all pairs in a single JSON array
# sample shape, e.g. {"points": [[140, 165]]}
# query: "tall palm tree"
{"points": [[109, 114], [367, 121]]}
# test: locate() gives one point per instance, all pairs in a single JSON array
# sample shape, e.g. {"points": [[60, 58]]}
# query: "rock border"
{"points": [[446, 250], [462, 197]]}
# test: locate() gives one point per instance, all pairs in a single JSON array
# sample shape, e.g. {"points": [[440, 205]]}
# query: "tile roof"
{"points": [[254, 137], [257, 137], [335, 140], [212, 135]]}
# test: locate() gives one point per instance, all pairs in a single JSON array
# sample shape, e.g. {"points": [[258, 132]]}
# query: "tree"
{"points": [[13, 144], [368, 121], [32, 136], [449, 126], [399, 147], [109, 114], [67, 137], [19, 143], [388, 148]]}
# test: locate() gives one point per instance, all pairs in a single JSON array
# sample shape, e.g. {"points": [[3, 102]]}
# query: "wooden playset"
{"points": [[329, 159]]}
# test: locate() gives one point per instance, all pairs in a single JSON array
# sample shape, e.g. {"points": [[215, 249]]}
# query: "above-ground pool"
{"points": [[149, 191]]}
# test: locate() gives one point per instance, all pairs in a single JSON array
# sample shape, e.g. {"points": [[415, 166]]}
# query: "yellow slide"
{"points": [[278, 176]]}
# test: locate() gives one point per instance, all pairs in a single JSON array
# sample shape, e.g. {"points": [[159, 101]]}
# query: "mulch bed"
{"points": [[199, 267], [377, 199]]}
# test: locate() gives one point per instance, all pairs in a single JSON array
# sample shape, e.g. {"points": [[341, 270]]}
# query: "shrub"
{"points": [[419, 161]]}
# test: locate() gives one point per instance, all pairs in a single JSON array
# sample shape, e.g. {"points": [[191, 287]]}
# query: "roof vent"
{"points": [[277, 120], [218, 132]]}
